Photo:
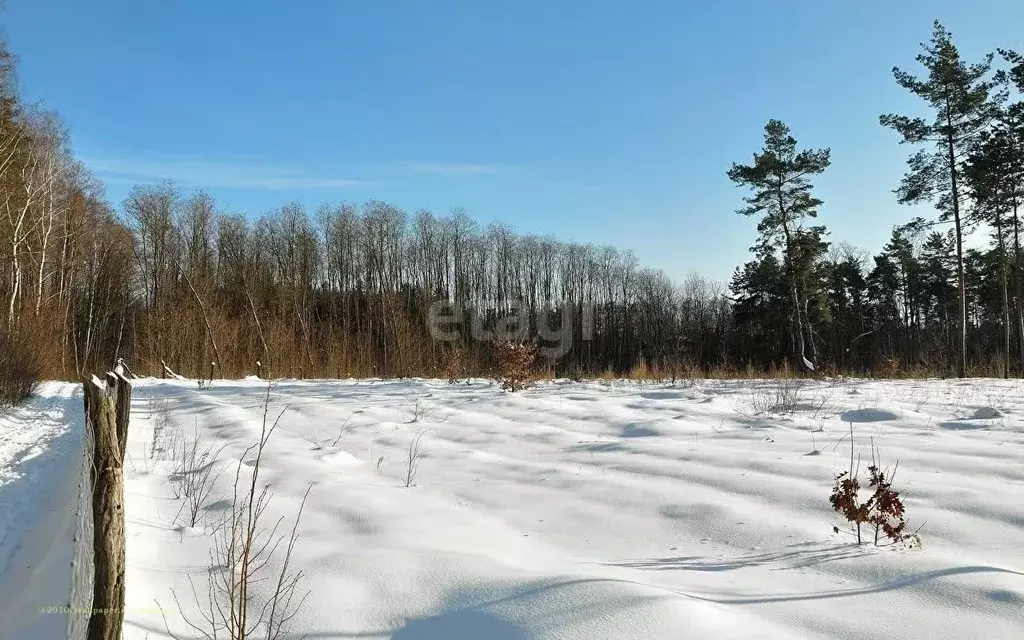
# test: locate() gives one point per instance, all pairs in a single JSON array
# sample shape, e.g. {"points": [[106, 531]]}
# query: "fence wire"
{"points": [[80, 596]]}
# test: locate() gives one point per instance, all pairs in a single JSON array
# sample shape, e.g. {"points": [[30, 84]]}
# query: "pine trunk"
{"points": [[961, 276]]}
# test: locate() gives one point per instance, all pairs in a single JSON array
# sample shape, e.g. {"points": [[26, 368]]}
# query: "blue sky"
{"points": [[604, 122]]}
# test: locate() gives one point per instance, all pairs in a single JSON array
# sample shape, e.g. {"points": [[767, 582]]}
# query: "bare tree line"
{"points": [[346, 291], [66, 263]]}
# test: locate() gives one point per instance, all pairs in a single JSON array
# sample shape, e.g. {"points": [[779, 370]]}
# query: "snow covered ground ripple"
{"points": [[603, 510]]}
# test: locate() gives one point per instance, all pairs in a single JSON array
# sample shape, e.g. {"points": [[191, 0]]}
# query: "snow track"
{"points": [[40, 469]]}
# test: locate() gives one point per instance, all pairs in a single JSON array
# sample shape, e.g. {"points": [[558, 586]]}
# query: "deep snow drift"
{"points": [[598, 510]]}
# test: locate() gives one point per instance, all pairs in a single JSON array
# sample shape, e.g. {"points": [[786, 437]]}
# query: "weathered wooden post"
{"points": [[121, 389], [107, 410]]}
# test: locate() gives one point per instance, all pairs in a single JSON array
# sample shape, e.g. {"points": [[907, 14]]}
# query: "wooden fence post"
{"points": [[121, 389], [107, 408]]}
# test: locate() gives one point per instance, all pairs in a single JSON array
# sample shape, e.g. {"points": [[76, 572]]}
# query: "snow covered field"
{"points": [[597, 510]]}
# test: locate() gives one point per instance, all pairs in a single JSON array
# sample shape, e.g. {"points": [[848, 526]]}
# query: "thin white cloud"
{"points": [[237, 174], [456, 168]]}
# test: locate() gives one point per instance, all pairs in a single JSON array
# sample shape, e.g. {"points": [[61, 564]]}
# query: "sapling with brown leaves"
{"points": [[845, 500], [883, 509], [886, 505]]}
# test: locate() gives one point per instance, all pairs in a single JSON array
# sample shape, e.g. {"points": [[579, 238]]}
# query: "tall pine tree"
{"points": [[782, 195], [989, 177], [960, 96], [1010, 131]]}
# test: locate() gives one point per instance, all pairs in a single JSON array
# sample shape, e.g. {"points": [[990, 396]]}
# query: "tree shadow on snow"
{"points": [[868, 415], [473, 624], [911, 580], [664, 395], [961, 425], [637, 430], [597, 447], [460, 625], [795, 556]]}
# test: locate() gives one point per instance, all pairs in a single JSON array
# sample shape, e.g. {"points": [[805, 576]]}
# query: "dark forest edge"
{"points": [[349, 290]]}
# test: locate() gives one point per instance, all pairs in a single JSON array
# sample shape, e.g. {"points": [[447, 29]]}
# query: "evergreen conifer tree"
{"points": [[960, 95], [782, 195]]}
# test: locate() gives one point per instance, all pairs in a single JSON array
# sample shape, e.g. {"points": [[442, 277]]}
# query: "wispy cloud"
{"points": [[251, 173], [456, 168], [237, 174]]}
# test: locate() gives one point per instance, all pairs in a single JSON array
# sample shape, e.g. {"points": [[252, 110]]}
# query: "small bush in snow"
{"points": [[883, 509], [422, 409], [514, 361], [194, 476], [416, 454], [779, 396], [163, 440]]}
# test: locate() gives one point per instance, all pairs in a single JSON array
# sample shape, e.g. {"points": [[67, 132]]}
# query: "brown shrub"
{"points": [[20, 370], [454, 365], [887, 507], [883, 509], [887, 368], [514, 362], [844, 499], [641, 371]]}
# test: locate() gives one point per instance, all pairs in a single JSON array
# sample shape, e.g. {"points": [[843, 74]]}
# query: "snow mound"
{"points": [[342, 459], [986, 413]]}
